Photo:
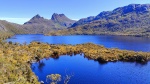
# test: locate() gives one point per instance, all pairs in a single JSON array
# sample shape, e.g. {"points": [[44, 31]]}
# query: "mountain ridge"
{"points": [[138, 8], [36, 25], [133, 20], [39, 24]]}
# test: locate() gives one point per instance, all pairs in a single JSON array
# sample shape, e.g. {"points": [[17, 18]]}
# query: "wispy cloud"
{"points": [[75, 19], [15, 20]]}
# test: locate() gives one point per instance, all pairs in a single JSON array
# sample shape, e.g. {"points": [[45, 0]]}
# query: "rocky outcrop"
{"points": [[118, 12], [36, 19], [38, 24], [62, 20]]}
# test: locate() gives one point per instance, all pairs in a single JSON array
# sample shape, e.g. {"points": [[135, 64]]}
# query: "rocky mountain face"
{"points": [[133, 19], [83, 21], [62, 20], [39, 24], [37, 19], [135, 9]]}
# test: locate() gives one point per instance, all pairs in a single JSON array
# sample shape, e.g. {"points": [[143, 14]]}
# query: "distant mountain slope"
{"points": [[133, 19], [8, 29], [39, 24]]}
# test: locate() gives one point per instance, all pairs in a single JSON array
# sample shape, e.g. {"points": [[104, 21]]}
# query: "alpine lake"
{"points": [[85, 71]]}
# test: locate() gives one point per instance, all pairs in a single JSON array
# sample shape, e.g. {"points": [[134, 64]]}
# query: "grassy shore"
{"points": [[15, 59]]}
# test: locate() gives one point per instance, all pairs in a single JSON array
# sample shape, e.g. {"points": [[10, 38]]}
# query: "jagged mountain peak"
{"points": [[38, 24], [56, 14], [57, 17], [139, 5], [37, 17], [131, 8], [135, 9], [138, 8], [62, 19]]}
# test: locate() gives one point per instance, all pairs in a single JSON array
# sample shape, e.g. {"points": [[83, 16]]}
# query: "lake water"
{"points": [[92, 72], [89, 71], [121, 42]]}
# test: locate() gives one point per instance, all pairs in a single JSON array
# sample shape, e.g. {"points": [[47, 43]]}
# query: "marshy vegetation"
{"points": [[55, 78], [15, 58], [4, 35]]}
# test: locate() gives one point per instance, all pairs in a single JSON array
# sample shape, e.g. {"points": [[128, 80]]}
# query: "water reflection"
{"points": [[92, 72], [88, 71], [41, 65]]}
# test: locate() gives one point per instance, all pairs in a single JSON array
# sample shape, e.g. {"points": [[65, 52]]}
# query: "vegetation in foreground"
{"points": [[15, 59], [55, 78], [89, 30]]}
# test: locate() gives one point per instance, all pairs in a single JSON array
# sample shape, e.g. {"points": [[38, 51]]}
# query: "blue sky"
{"points": [[20, 11]]}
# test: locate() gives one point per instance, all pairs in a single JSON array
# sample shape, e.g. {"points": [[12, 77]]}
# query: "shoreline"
{"points": [[100, 53], [20, 56]]}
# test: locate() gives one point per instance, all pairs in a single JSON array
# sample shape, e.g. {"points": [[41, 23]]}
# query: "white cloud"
{"points": [[75, 19], [15, 20]]}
